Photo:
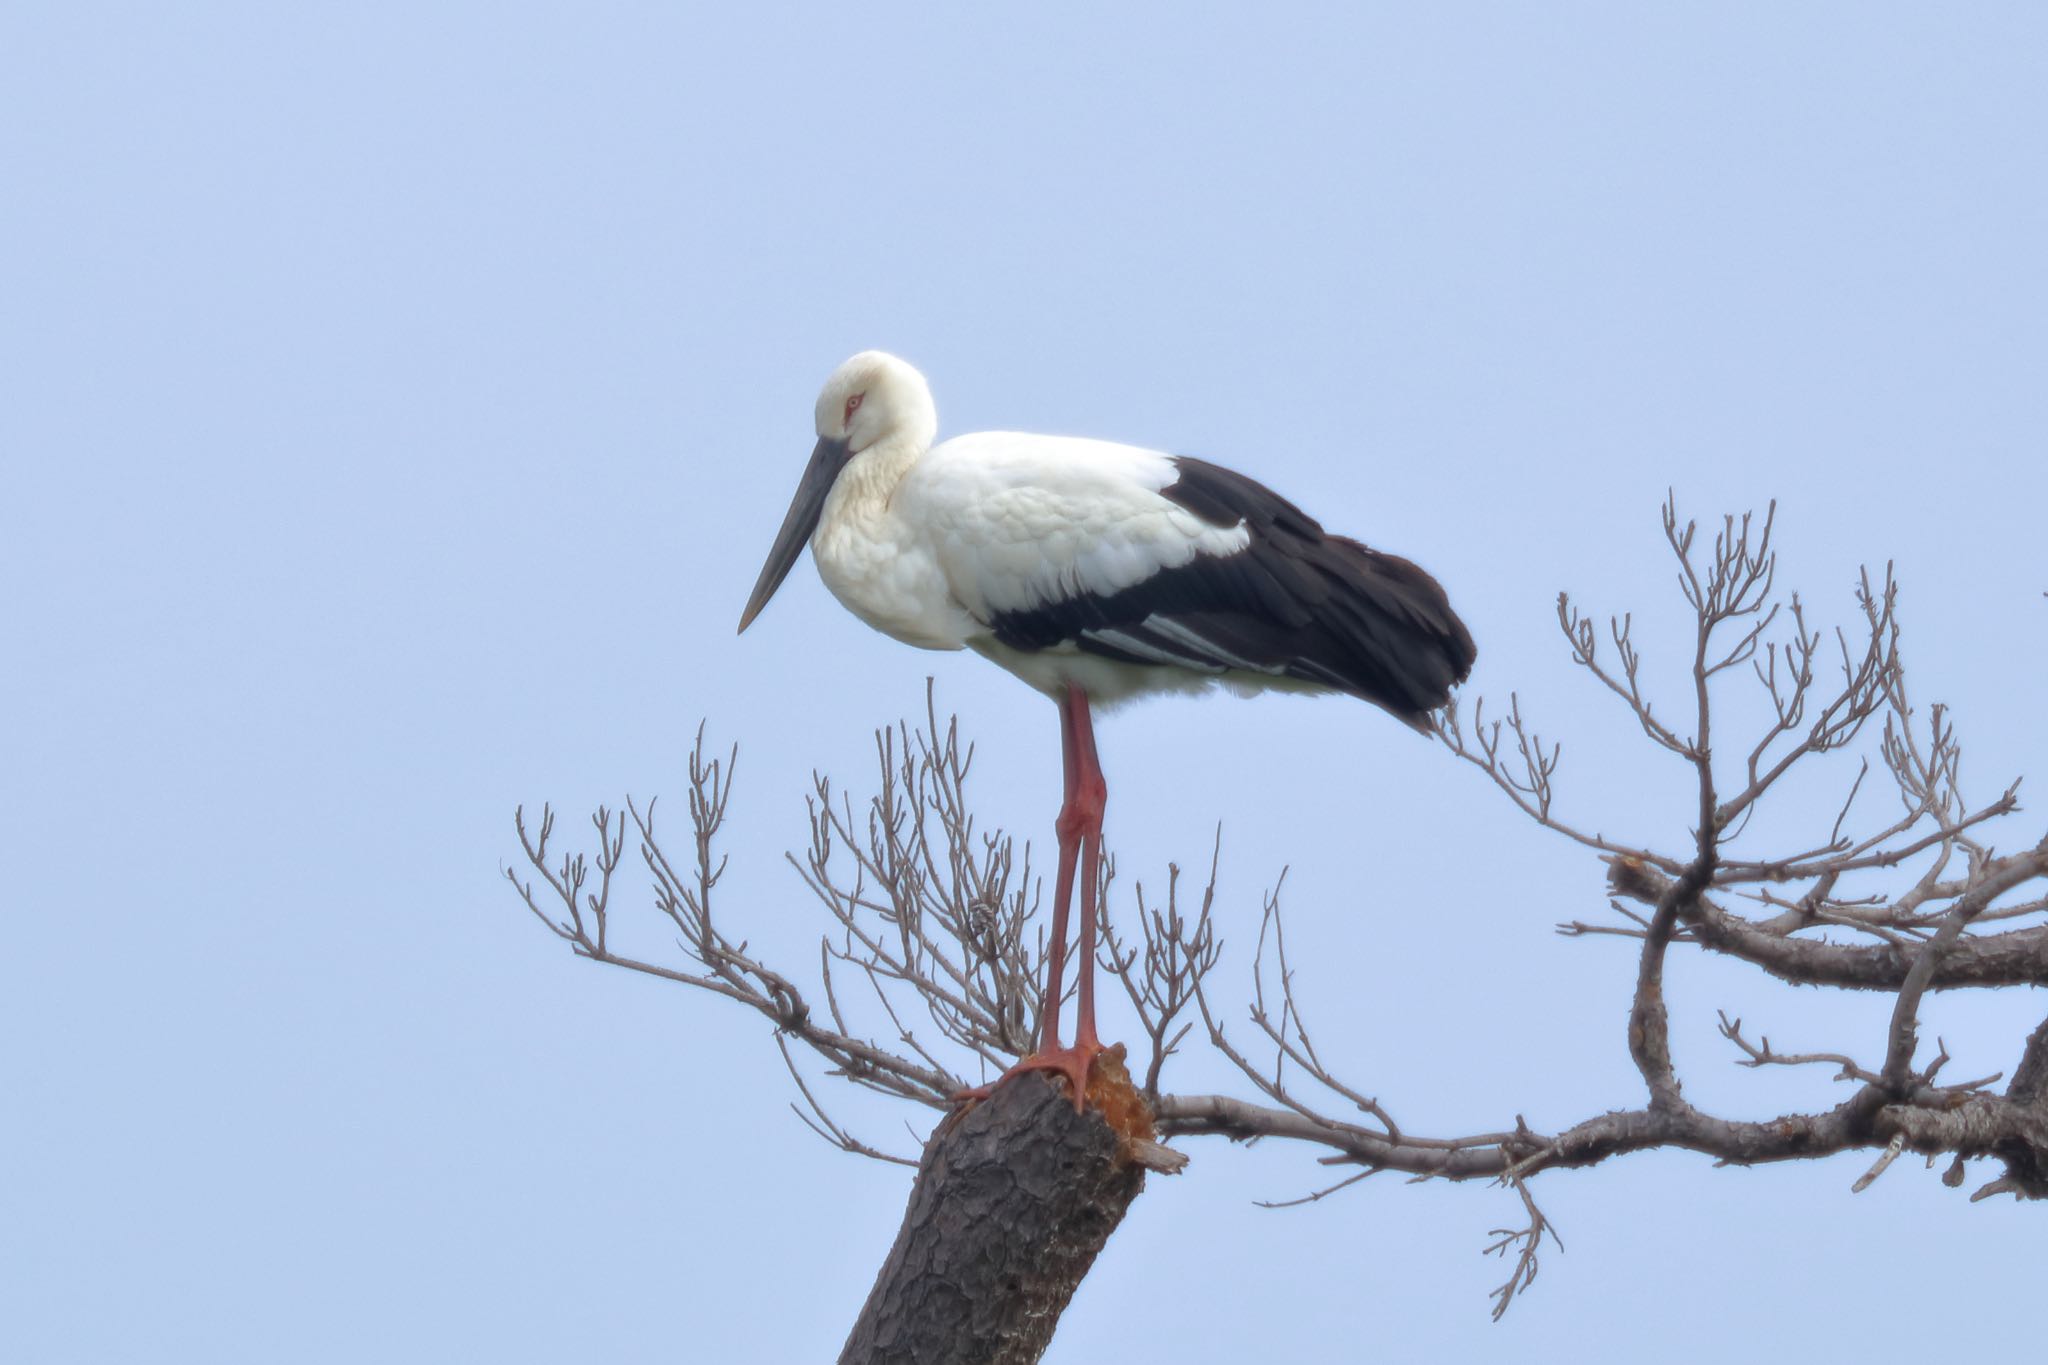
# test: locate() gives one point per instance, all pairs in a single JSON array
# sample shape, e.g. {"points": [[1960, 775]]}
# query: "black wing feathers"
{"points": [[1296, 602]]}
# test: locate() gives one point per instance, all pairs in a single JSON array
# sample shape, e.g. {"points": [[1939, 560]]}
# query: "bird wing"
{"points": [[1018, 521], [1172, 561]]}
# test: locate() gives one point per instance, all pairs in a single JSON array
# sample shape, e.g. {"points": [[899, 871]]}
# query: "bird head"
{"points": [[873, 400]]}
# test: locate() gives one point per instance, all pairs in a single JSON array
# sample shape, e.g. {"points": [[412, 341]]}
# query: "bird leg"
{"points": [[1088, 797], [1080, 834]]}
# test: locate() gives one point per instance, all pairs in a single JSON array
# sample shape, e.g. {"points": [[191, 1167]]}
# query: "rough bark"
{"points": [[1014, 1198]]}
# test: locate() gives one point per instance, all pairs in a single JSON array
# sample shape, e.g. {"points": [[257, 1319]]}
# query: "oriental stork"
{"points": [[1097, 573]]}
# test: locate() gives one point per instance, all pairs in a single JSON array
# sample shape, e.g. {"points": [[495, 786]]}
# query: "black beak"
{"points": [[804, 509]]}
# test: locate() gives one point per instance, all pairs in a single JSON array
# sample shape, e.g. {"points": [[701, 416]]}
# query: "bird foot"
{"points": [[1070, 1062]]}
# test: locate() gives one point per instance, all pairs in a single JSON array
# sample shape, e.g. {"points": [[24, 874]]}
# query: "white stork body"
{"points": [[1096, 572], [932, 547]]}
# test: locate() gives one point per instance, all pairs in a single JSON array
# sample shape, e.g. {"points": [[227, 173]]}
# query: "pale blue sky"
{"points": [[399, 400]]}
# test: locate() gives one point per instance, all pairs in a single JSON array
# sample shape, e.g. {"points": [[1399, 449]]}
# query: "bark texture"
{"points": [[1014, 1198]]}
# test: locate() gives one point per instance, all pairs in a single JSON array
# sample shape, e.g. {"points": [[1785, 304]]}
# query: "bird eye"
{"points": [[852, 406]]}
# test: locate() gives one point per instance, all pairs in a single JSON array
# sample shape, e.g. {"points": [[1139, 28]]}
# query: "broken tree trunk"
{"points": [[1015, 1196]]}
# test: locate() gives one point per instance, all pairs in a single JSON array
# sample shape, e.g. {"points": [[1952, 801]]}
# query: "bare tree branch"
{"points": [[932, 945]]}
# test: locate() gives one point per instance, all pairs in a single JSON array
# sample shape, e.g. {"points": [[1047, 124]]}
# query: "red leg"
{"points": [[1063, 891], [1093, 795], [1056, 952], [1080, 833]]}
